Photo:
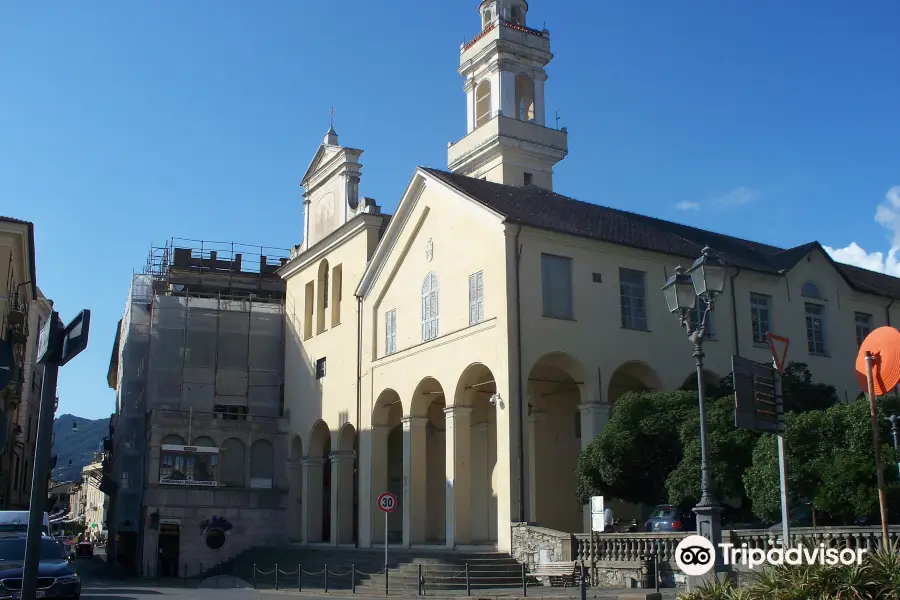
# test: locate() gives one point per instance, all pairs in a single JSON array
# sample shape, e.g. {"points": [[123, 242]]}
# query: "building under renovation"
{"points": [[200, 438]]}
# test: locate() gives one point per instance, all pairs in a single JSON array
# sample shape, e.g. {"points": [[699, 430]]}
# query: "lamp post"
{"points": [[704, 281]]}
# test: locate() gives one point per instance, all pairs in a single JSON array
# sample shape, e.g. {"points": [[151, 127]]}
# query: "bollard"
{"points": [[583, 583], [185, 573], [656, 568], [353, 578], [386, 587], [254, 576], [326, 578], [276, 576], [524, 582], [421, 582], [468, 583], [299, 578]]}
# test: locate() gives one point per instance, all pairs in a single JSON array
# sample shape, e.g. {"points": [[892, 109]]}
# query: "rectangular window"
{"points": [[632, 294], [815, 328], [529, 179], [697, 315], [476, 298], [760, 318], [390, 332], [320, 368], [556, 281], [309, 300], [863, 327], [231, 412]]}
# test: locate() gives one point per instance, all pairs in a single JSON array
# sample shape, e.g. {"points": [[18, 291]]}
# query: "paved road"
{"points": [[98, 586]]}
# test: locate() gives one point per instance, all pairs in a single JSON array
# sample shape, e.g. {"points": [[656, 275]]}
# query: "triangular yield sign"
{"points": [[779, 347]]}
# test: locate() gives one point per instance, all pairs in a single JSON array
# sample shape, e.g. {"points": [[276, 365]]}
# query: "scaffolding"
{"points": [[203, 331]]}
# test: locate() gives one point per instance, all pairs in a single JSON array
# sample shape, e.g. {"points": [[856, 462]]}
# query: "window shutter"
{"points": [[479, 296]]}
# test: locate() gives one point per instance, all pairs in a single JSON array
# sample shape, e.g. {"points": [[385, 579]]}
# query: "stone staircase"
{"points": [[440, 569]]}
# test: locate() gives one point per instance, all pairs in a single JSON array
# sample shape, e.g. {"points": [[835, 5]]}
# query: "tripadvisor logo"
{"points": [[696, 555]]}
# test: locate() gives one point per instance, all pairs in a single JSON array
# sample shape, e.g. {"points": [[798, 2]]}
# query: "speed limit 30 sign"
{"points": [[387, 502]]}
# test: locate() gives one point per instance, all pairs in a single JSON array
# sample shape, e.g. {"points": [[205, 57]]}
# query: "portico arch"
{"points": [[318, 484], [632, 376], [553, 442], [295, 489], [424, 452], [344, 500], [387, 463], [471, 461], [710, 380]]}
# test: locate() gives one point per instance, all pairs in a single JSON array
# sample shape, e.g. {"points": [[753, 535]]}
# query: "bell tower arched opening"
{"points": [[524, 97], [482, 103]]}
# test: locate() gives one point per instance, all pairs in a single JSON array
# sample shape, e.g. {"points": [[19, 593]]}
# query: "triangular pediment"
{"points": [[323, 155], [402, 220]]}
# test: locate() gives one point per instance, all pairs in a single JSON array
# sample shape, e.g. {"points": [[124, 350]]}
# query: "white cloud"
{"points": [[736, 197], [888, 216], [688, 206]]}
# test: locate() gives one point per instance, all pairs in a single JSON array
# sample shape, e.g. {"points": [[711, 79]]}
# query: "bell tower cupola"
{"points": [[507, 140]]}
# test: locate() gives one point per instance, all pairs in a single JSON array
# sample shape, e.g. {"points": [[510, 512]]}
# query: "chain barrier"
{"points": [[450, 580]]}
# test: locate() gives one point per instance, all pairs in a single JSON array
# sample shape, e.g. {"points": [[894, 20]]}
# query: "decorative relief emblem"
{"points": [[429, 250]]}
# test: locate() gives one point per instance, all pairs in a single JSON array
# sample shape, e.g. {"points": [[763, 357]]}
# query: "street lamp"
{"points": [[704, 280]]}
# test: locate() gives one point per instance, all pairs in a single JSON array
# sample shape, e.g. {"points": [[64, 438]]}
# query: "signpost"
{"points": [[57, 345], [759, 406], [387, 503]]}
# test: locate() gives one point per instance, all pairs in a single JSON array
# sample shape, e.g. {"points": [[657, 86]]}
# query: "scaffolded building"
{"points": [[200, 440]]}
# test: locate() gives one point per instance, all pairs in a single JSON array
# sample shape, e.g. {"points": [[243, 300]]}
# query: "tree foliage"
{"points": [[730, 452], [830, 462], [650, 449], [631, 458]]}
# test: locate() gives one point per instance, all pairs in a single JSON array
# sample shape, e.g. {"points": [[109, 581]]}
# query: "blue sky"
{"points": [[123, 124]]}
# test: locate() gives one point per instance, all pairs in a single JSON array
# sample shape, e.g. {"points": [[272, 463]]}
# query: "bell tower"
{"points": [[507, 140]]}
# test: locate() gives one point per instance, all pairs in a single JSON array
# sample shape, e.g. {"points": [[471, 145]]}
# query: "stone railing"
{"points": [[869, 538], [625, 547]]}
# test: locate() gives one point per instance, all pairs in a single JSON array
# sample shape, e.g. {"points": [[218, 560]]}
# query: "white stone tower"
{"points": [[507, 138]]}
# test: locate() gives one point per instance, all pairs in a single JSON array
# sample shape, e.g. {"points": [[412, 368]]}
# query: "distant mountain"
{"points": [[78, 447]]}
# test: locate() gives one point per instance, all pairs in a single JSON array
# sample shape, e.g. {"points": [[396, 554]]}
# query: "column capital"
{"points": [[592, 408], [308, 461], [458, 411], [410, 422], [295, 464], [342, 456], [469, 85], [536, 417]]}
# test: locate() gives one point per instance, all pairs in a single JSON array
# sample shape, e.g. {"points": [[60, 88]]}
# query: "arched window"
{"points": [[487, 18], [262, 464], [811, 290], [482, 103], [232, 459], [430, 307], [322, 296], [515, 15], [524, 97]]}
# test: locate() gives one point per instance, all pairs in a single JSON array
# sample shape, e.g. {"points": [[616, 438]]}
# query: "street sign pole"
{"points": [[385, 541], [387, 503], [782, 465], [57, 345]]}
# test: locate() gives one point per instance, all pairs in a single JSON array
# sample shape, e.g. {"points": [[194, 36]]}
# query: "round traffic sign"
{"points": [[387, 502]]}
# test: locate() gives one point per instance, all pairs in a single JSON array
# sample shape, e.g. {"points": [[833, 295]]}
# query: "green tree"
{"points": [[730, 452], [801, 393], [830, 462], [631, 458]]}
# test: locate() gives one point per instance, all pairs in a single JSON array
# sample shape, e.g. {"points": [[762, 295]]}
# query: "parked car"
{"points": [[668, 517], [56, 578], [84, 549]]}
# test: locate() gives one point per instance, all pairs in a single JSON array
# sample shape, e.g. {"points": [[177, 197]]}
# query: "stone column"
{"points": [[594, 417], [414, 480], [372, 482], [458, 474], [532, 425], [540, 110], [507, 89], [295, 500], [470, 104], [342, 497], [312, 499]]}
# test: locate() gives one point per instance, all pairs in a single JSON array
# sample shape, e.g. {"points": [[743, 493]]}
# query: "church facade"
{"points": [[461, 352]]}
